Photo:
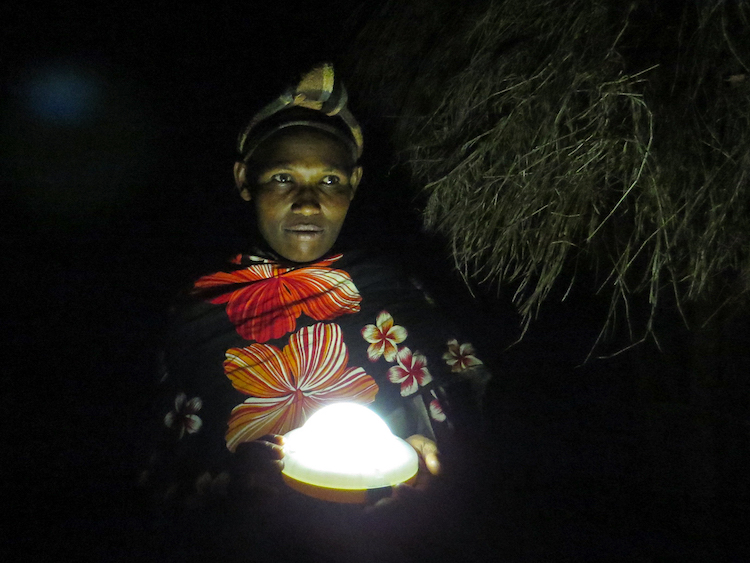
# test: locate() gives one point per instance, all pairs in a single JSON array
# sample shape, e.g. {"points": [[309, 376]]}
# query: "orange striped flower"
{"points": [[265, 300], [286, 386]]}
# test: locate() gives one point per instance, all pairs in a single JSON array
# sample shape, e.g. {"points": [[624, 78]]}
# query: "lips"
{"points": [[305, 228]]}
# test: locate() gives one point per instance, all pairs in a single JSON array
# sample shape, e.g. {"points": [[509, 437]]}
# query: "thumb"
{"points": [[432, 463], [427, 450]]}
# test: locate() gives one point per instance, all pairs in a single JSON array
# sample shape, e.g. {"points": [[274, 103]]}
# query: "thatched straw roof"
{"points": [[561, 134]]}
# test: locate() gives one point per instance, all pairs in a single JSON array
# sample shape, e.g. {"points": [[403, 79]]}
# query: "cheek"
{"points": [[266, 213], [340, 208], [339, 218]]}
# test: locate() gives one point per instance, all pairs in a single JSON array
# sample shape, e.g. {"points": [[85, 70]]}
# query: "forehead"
{"points": [[302, 145]]}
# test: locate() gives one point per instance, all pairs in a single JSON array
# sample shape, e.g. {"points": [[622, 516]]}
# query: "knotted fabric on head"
{"points": [[316, 101]]}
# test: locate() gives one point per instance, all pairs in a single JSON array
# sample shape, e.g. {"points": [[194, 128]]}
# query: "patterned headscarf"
{"points": [[316, 101]]}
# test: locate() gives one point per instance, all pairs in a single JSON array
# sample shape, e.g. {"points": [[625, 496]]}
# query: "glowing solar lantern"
{"points": [[346, 453]]}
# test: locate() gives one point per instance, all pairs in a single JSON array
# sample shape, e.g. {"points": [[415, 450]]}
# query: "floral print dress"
{"points": [[258, 348]]}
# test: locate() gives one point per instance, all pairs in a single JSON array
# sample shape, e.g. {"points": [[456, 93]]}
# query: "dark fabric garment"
{"points": [[331, 348]]}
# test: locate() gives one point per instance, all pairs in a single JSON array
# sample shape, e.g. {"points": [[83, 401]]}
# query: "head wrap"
{"points": [[316, 101]]}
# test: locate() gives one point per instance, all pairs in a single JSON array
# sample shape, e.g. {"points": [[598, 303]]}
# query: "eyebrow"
{"points": [[287, 165]]}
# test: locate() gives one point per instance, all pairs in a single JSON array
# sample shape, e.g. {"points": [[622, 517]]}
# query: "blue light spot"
{"points": [[63, 96]]}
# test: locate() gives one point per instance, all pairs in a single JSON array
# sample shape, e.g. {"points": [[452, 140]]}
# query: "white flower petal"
{"points": [[169, 419], [194, 405], [193, 423], [179, 401], [409, 387]]}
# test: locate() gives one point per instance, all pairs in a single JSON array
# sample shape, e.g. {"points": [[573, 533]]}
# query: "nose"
{"points": [[306, 201]]}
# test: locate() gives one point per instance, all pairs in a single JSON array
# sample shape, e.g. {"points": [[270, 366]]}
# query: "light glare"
{"points": [[347, 446]]}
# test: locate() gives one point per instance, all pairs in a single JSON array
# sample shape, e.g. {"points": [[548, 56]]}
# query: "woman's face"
{"points": [[302, 181]]}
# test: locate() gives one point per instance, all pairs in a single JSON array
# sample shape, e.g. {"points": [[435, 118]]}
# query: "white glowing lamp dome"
{"points": [[343, 451]]}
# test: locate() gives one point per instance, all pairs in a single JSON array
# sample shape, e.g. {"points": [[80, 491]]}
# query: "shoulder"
{"points": [[375, 267]]}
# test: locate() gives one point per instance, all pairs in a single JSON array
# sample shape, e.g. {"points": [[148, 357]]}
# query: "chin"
{"points": [[303, 257]]}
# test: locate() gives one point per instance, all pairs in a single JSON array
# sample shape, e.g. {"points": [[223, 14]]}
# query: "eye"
{"points": [[330, 180], [282, 178]]}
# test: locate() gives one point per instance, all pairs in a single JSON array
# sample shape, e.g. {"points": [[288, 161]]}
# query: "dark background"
{"points": [[117, 140]]}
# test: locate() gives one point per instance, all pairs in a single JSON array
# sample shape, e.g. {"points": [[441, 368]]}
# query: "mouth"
{"points": [[304, 229], [305, 232]]}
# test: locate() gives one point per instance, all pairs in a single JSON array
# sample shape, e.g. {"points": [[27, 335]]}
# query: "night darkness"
{"points": [[117, 138]]}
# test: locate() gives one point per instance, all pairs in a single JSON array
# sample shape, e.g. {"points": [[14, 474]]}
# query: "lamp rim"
{"points": [[342, 496]]}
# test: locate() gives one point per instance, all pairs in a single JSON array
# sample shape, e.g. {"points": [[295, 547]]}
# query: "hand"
{"points": [[257, 465], [429, 467], [409, 507]]}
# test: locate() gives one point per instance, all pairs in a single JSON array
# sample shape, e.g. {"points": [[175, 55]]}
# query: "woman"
{"points": [[296, 323]]}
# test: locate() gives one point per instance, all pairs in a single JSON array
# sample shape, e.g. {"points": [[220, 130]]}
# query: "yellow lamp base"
{"points": [[344, 496]]}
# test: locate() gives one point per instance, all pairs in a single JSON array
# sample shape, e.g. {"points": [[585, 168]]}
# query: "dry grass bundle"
{"points": [[567, 132]]}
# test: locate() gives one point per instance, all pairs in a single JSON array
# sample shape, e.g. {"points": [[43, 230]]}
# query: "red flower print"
{"points": [[286, 386], [265, 300], [383, 337], [183, 417], [411, 371], [436, 409], [460, 357]]}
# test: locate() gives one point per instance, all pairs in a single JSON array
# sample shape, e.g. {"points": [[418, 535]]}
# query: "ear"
{"points": [[240, 180], [355, 179]]}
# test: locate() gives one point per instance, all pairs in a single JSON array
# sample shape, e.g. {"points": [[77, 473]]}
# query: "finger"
{"points": [[406, 493], [277, 464], [275, 451], [428, 452], [380, 505], [260, 449], [422, 444], [259, 453], [263, 464], [401, 494], [432, 462], [277, 439]]}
